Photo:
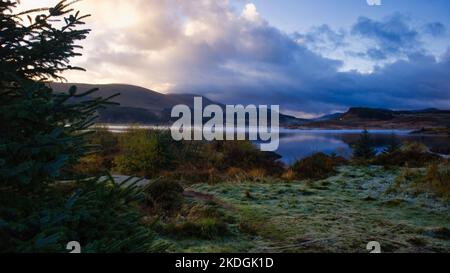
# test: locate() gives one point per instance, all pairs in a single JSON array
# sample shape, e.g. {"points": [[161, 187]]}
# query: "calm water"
{"points": [[298, 144]]}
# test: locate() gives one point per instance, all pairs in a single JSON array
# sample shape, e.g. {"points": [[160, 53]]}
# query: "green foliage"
{"points": [[101, 215], [164, 196], [34, 48], [106, 141], [45, 130], [205, 228], [45, 133], [106, 145], [364, 147], [144, 153], [153, 153], [317, 166]]}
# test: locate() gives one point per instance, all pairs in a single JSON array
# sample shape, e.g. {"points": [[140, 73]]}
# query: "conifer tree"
{"points": [[364, 148], [394, 145], [42, 132]]}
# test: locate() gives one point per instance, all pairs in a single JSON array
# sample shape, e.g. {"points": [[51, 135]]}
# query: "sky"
{"points": [[312, 57]]}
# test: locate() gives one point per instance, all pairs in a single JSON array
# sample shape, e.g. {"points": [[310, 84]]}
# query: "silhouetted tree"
{"points": [[364, 148], [394, 144]]}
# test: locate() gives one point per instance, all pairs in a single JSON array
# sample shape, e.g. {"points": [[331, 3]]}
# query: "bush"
{"points": [[411, 154], [144, 153], [105, 146], [317, 166], [164, 196], [89, 166], [106, 141], [213, 162], [245, 155], [363, 149]]}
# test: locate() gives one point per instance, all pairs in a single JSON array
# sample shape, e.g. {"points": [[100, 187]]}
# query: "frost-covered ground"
{"points": [[339, 214]]}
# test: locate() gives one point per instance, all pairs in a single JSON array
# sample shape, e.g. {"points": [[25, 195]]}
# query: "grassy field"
{"points": [[339, 214]]}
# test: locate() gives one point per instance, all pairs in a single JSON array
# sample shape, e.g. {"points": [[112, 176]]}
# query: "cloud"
{"points": [[392, 36], [322, 38], [236, 56], [251, 14], [435, 29]]}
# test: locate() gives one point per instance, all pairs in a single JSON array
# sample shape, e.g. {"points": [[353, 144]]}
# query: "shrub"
{"points": [[106, 141], [245, 155], [317, 166], [105, 146], [164, 196], [213, 162], [363, 149], [144, 153], [89, 166], [412, 154]]}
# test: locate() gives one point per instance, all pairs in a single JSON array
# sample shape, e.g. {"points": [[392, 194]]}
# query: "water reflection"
{"points": [[298, 144]]}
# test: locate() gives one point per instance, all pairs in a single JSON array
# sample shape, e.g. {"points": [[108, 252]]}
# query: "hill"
{"points": [[144, 106], [375, 118]]}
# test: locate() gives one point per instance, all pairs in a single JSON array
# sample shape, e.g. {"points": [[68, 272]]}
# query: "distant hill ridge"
{"points": [[144, 106], [364, 117]]}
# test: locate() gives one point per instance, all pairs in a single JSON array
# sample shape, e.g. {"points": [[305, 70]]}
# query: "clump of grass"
{"points": [[203, 228], [257, 174], [435, 179], [235, 174], [202, 221], [289, 175], [210, 210], [164, 196], [405, 177]]}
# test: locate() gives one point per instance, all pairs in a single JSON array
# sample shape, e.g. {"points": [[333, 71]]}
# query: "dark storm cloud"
{"points": [[322, 38], [392, 36], [435, 29]]}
